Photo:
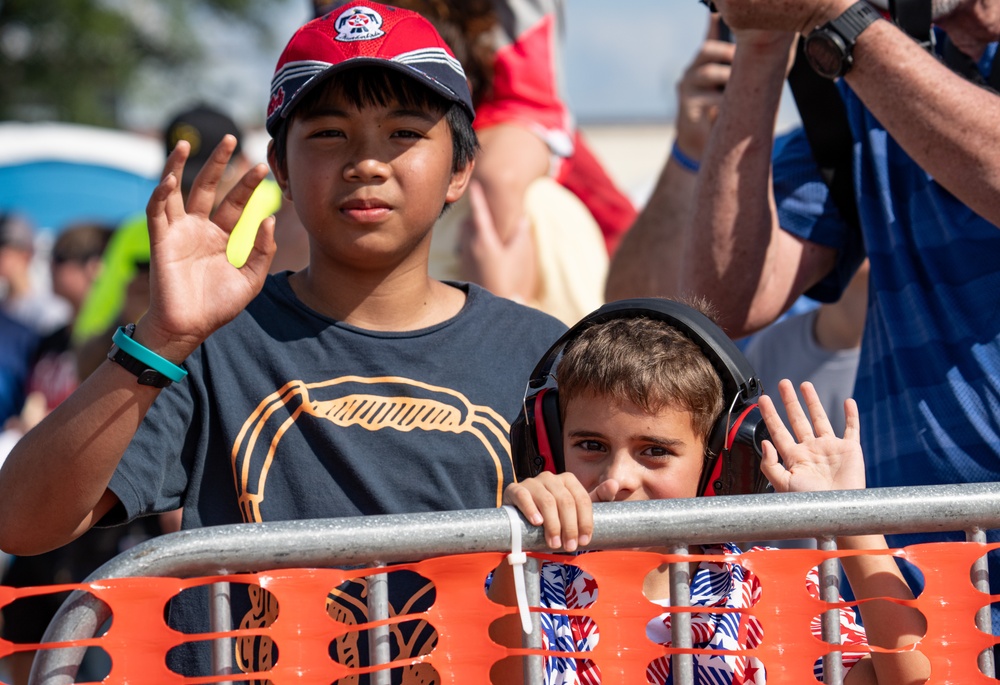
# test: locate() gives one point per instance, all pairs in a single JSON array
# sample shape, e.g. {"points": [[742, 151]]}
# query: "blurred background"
{"points": [[87, 85]]}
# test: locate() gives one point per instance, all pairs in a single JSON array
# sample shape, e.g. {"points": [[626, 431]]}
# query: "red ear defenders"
{"points": [[732, 466]]}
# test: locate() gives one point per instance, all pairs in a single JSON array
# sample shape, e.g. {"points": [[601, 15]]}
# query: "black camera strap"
{"points": [[825, 123], [965, 66], [914, 17]]}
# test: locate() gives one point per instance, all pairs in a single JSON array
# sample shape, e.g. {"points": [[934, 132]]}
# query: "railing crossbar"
{"points": [[354, 542]]}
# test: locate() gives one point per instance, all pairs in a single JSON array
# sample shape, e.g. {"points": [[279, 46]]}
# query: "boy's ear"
{"points": [[459, 182], [279, 171]]}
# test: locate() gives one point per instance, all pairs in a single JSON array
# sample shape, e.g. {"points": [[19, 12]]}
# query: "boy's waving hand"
{"points": [[814, 458], [194, 288]]}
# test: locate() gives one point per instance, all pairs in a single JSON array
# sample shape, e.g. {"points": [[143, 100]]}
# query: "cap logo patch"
{"points": [[359, 23]]}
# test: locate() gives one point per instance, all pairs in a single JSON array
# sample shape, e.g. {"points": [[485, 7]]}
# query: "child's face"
{"points": [[368, 184], [649, 456]]}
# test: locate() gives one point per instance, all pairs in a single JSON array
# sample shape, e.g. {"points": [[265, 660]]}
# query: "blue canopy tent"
{"points": [[56, 174]]}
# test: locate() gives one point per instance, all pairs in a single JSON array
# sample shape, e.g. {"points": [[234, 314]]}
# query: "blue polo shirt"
{"points": [[928, 384]]}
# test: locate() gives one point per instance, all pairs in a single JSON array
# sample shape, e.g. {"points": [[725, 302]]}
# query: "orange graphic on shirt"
{"points": [[381, 403], [389, 402]]}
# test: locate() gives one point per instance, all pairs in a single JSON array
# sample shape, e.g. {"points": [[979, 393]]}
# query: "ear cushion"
{"points": [[548, 416], [527, 461], [536, 442], [734, 465], [742, 474]]}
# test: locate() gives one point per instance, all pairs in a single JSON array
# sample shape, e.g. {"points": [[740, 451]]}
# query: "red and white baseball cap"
{"points": [[365, 33]]}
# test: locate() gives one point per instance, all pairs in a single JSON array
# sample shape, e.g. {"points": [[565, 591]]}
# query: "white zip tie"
{"points": [[517, 559]]}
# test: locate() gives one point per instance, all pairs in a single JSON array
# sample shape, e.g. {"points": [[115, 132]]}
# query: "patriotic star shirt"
{"points": [[715, 584]]}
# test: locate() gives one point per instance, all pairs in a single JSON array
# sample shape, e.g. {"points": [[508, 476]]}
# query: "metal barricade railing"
{"points": [[378, 540]]}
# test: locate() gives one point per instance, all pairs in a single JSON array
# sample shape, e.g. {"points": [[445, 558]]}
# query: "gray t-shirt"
{"points": [[287, 414], [788, 349]]}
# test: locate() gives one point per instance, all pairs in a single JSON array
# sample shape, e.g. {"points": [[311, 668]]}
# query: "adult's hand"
{"points": [[699, 92], [504, 266]]}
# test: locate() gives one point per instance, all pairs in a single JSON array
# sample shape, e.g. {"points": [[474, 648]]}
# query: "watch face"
{"points": [[826, 53]]}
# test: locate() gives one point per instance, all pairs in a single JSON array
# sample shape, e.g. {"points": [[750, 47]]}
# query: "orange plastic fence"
{"points": [[139, 639]]}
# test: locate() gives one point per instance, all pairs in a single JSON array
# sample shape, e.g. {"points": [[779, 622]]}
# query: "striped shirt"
{"points": [[928, 384]]}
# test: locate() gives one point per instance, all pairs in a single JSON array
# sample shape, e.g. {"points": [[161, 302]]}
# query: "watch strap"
{"points": [[829, 48], [143, 375], [854, 20], [149, 368]]}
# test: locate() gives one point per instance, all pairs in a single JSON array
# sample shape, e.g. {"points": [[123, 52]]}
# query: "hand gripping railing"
{"points": [[376, 540]]}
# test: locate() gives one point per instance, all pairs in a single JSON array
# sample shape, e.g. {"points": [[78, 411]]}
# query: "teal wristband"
{"points": [[686, 162], [148, 358]]}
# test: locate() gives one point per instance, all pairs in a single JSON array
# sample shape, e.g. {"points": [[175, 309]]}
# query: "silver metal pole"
{"points": [[829, 578], [220, 618], [378, 637], [534, 665], [981, 579], [681, 665]]}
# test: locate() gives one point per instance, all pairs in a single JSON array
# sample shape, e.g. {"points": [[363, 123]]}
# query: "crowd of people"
{"points": [[430, 227]]}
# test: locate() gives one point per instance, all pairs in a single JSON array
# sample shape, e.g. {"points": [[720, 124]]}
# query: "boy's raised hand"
{"points": [[814, 458], [193, 288], [561, 505]]}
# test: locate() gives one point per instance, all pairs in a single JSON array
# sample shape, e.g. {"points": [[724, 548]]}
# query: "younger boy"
{"points": [[358, 385], [638, 399]]}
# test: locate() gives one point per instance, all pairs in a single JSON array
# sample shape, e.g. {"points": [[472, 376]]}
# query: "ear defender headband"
{"points": [[732, 466]]}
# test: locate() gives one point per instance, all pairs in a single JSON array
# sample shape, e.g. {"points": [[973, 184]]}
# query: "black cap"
{"points": [[204, 128]]}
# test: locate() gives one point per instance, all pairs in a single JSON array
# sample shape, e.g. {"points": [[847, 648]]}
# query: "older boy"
{"points": [[638, 399], [358, 385]]}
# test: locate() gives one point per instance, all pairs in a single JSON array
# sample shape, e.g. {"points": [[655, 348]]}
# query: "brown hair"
{"points": [[466, 26], [647, 362], [81, 242]]}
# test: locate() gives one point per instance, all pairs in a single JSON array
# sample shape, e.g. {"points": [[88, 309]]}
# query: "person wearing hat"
{"points": [[542, 214], [358, 385], [512, 52], [203, 127]]}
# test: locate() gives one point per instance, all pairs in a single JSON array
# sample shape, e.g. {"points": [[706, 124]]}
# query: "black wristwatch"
{"points": [[829, 48], [144, 374]]}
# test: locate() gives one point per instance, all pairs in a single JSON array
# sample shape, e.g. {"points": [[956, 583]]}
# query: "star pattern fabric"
{"points": [[715, 584]]}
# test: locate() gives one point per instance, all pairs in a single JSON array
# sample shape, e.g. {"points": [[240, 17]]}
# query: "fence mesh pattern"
{"points": [[139, 639]]}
